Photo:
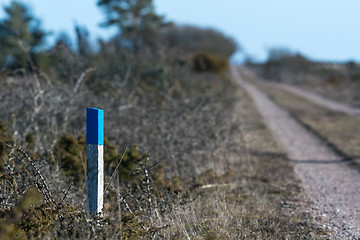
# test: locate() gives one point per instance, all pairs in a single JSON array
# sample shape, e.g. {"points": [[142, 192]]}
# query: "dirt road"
{"points": [[320, 100], [331, 184]]}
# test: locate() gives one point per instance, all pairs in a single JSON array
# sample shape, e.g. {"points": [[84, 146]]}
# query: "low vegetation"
{"points": [[206, 62], [243, 188]]}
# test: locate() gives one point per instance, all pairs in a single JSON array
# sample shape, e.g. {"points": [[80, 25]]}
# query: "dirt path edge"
{"points": [[330, 183]]}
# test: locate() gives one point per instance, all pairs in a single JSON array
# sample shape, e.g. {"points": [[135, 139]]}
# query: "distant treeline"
{"points": [[286, 66], [145, 42]]}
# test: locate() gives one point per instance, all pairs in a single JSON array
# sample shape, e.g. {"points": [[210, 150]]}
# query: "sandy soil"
{"points": [[331, 184]]}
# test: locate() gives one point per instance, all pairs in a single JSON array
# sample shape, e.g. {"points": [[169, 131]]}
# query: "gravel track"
{"points": [[327, 179], [320, 100]]}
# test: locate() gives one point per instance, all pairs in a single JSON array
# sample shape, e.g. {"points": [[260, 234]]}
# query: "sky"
{"points": [[327, 30]]}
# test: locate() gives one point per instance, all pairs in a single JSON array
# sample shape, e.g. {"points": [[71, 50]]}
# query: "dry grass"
{"points": [[336, 88], [259, 198]]}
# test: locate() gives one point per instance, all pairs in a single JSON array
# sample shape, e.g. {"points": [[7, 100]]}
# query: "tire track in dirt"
{"points": [[327, 179], [320, 100]]}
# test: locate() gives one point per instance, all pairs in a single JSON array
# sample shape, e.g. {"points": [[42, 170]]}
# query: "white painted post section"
{"points": [[95, 159]]}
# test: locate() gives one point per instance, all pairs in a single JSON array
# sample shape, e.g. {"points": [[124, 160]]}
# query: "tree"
{"points": [[65, 39], [134, 19], [21, 37], [193, 39], [83, 43]]}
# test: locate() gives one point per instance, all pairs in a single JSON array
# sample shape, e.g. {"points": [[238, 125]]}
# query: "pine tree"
{"points": [[134, 19], [21, 37]]}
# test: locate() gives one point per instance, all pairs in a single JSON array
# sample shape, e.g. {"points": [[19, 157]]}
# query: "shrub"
{"points": [[129, 164], [208, 62], [30, 140], [333, 79], [189, 39], [69, 153], [8, 225], [129, 161], [5, 137]]}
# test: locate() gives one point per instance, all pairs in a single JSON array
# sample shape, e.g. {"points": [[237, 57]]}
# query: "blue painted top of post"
{"points": [[95, 126]]}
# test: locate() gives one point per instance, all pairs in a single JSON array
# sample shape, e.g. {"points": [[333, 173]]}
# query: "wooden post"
{"points": [[95, 159]]}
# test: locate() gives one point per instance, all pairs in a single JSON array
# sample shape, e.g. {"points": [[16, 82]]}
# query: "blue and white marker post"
{"points": [[95, 159]]}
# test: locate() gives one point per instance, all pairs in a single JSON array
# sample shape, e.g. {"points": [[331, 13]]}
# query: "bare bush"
{"points": [[191, 39]]}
